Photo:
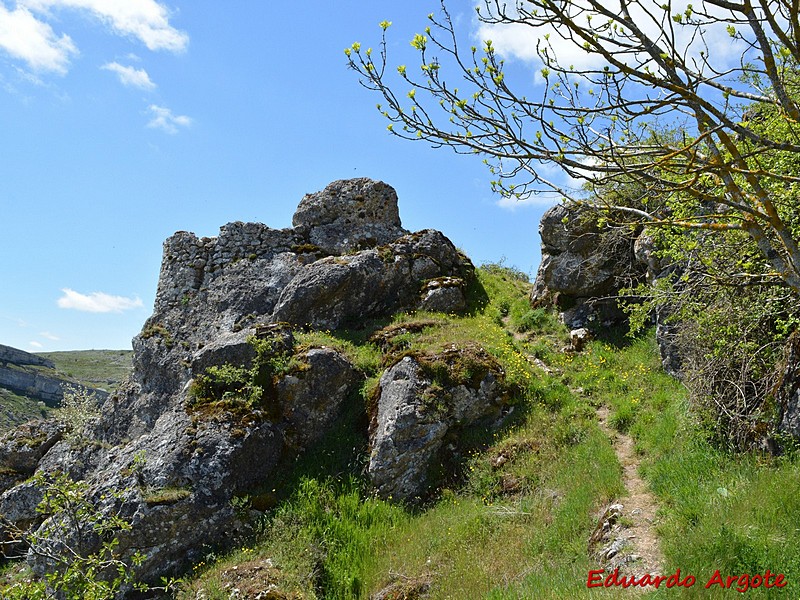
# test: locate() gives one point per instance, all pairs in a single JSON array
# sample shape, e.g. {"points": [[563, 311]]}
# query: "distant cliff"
{"points": [[30, 383]]}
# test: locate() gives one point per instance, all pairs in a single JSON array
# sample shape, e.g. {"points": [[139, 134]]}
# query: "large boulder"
{"points": [[583, 265], [22, 448], [342, 290], [418, 413], [787, 392], [350, 215]]}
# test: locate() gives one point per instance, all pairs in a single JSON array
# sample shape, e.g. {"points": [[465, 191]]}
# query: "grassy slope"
{"points": [[18, 409], [494, 532], [521, 530], [103, 369]]}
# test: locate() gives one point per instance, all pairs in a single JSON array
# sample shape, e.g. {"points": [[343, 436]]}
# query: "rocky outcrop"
{"points": [[20, 357], [337, 291], [419, 412], [48, 389], [787, 391], [22, 448], [251, 273], [350, 215], [583, 266], [34, 376], [220, 396], [33, 384]]}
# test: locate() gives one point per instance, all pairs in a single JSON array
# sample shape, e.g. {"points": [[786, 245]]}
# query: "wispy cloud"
{"points": [[49, 336], [534, 201], [97, 302], [131, 76], [146, 20], [162, 118], [35, 344], [26, 38]]}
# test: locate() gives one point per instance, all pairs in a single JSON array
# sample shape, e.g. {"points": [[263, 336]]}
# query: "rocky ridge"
{"points": [[221, 395]]}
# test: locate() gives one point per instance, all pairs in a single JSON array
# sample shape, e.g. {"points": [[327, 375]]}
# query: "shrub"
{"points": [[79, 408], [86, 563]]}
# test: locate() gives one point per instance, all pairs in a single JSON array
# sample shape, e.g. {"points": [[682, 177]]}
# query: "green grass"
{"points": [[498, 531], [104, 369], [16, 409], [515, 521], [736, 513]]}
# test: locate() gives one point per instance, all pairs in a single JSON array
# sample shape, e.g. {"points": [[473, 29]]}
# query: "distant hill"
{"points": [[103, 369], [31, 383]]}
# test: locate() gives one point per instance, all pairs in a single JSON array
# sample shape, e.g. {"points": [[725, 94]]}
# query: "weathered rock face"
{"points": [[180, 455], [787, 394], [251, 273], [49, 390], [22, 448], [17, 375], [342, 290], [350, 215], [415, 418], [582, 266], [20, 357]]}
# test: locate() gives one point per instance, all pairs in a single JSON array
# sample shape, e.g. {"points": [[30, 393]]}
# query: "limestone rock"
{"points": [[178, 458], [20, 357], [22, 448], [579, 338], [414, 418], [583, 266], [48, 389], [18, 505], [336, 291], [644, 249], [349, 215], [313, 397], [230, 347], [787, 394], [446, 294]]}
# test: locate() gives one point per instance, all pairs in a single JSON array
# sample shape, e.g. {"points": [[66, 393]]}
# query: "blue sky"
{"points": [[125, 121]]}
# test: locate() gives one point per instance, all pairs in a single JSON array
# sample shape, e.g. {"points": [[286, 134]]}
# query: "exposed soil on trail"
{"points": [[642, 552]]}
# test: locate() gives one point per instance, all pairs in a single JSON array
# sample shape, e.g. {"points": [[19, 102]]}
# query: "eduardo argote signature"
{"points": [[741, 582]]}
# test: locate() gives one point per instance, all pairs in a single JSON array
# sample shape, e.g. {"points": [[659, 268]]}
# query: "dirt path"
{"points": [[639, 506]]}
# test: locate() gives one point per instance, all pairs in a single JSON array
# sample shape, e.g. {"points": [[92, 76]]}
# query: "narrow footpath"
{"points": [[635, 530]]}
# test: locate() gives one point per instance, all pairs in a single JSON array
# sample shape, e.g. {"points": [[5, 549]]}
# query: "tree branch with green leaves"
{"points": [[706, 129]]}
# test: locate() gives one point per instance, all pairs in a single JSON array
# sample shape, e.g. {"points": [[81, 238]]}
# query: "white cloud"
{"points": [[97, 302], [520, 41], [162, 118], [35, 345], [146, 20], [28, 39], [49, 336], [535, 201], [131, 76]]}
